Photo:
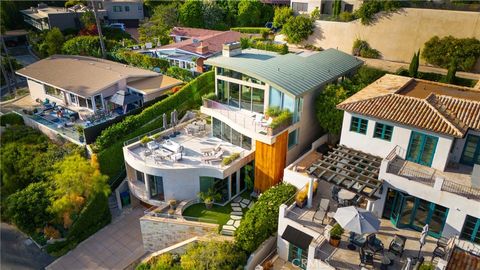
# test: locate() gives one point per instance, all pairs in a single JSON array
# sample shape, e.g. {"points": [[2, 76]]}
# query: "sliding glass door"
{"points": [[421, 148]]}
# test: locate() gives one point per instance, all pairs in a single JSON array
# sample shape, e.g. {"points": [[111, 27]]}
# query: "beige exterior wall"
{"points": [[159, 233], [398, 35]]}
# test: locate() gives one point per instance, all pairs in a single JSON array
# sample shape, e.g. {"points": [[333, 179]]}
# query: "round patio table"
{"points": [[345, 195]]}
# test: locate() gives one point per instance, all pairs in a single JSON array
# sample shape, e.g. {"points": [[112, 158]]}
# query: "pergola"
{"points": [[349, 169]]}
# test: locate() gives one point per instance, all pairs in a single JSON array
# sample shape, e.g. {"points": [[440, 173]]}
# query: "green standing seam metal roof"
{"points": [[295, 74]]}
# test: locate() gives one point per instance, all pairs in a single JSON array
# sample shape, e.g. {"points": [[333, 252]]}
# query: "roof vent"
{"points": [[195, 41]]}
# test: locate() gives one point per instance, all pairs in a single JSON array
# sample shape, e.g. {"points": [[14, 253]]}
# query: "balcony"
{"points": [[455, 179], [245, 122]]}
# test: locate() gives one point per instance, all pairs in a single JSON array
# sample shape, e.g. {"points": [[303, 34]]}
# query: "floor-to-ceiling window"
{"points": [[156, 187], [241, 96], [421, 148], [225, 132], [406, 211], [285, 101]]}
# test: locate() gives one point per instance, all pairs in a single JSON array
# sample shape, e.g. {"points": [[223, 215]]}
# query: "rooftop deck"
{"points": [[191, 155]]}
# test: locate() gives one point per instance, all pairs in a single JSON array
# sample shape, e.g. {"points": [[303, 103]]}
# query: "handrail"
{"points": [[412, 174], [462, 190]]}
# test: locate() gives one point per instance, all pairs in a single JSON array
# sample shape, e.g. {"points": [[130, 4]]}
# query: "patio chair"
{"points": [[366, 257], [397, 245], [176, 157], [357, 240], [438, 252], [374, 244]]}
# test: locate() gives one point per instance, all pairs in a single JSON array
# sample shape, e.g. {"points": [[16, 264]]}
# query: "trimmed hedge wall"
{"points": [[188, 97], [141, 60], [250, 30], [11, 119], [264, 45]]}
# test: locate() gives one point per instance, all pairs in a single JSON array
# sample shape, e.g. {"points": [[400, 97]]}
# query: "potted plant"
{"points": [[172, 203], [209, 197], [145, 140], [171, 211], [80, 130], [336, 235]]}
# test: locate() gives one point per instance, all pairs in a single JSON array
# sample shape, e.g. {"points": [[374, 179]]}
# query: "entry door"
{"points": [[421, 148], [471, 151], [402, 209]]}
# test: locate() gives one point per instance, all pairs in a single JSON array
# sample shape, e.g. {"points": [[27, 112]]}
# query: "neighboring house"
{"points": [[89, 86], [247, 83], [129, 12], [325, 6], [409, 152], [192, 46], [44, 17]]}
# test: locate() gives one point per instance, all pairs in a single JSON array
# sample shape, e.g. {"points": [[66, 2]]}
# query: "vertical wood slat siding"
{"points": [[270, 160]]}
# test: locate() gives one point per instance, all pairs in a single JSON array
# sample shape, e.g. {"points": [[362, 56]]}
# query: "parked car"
{"points": [[120, 26]]}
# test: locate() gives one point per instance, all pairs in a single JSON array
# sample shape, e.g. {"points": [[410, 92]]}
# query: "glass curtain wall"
{"points": [[284, 101], [225, 132]]}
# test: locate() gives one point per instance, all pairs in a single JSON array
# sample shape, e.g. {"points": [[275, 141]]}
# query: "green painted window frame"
{"points": [[356, 125], [474, 236], [383, 131]]}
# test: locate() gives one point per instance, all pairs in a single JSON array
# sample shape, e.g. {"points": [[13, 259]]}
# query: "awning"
{"points": [[350, 169], [297, 238], [123, 98]]}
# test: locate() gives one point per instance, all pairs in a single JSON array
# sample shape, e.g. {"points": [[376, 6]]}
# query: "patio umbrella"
{"points": [[423, 239], [164, 121], [173, 117], [357, 220]]}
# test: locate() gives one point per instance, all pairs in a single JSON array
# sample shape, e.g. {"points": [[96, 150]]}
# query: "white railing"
{"points": [[236, 115]]}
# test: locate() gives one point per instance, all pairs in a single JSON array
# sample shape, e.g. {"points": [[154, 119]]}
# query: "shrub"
{"points": [[213, 255], [336, 231], [186, 98], [297, 29], [285, 117], [179, 73], [210, 96], [227, 160], [346, 16], [273, 111], [250, 30], [414, 64], [264, 45], [261, 221], [282, 14], [442, 51], [145, 140], [51, 233], [141, 60], [368, 9], [87, 46], [363, 49], [11, 119]]}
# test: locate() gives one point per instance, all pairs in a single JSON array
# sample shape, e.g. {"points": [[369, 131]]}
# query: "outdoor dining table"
{"points": [[172, 146], [163, 153]]}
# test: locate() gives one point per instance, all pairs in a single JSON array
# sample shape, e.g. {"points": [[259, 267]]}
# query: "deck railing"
{"points": [[412, 174], [462, 190]]}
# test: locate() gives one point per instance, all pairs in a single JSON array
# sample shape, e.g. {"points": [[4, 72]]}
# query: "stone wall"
{"points": [[398, 35], [159, 233]]}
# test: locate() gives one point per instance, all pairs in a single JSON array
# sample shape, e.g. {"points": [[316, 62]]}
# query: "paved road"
{"points": [[18, 252], [114, 247]]}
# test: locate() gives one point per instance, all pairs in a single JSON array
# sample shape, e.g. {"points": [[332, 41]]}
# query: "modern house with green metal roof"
{"points": [[249, 83]]}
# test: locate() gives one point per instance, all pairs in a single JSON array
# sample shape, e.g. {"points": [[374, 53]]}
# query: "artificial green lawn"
{"points": [[219, 214]]}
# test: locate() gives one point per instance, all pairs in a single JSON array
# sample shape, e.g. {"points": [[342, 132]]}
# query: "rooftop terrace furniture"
{"points": [[397, 245], [176, 157], [439, 252], [217, 156], [357, 240], [172, 146], [152, 145], [374, 244], [211, 150], [366, 257], [322, 210], [267, 123]]}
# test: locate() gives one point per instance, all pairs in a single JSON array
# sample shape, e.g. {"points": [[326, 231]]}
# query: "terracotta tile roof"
{"points": [[461, 259], [385, 99], [214, 42], [192, 32]]}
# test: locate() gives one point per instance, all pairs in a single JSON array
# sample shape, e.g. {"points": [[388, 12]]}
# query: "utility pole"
{"points": [[99, 29]]}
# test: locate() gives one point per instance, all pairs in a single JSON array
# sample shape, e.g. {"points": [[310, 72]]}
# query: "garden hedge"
{"points": [[188, 97], [264, 45], [261, 221], [11, 119], [141, 60], [250, 30]]}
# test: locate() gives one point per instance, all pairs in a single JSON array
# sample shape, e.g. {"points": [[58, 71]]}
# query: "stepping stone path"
{"points": [[236, 215]]}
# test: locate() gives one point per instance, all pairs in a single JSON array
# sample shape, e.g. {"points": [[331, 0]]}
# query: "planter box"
{"points": [[275, 131]]}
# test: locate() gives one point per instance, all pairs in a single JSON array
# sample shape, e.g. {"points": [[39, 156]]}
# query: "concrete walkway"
{"points": [[114, 247]]}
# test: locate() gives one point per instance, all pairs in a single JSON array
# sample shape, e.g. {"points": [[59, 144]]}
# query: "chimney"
{"points": [[201, 49], [231, 49]]}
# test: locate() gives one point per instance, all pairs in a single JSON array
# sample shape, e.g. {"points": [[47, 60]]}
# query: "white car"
{"points": [[120, 26]]}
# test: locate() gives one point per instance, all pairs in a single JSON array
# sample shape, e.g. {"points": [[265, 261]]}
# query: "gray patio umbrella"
{"points": [[164, 121], [357, 220], [173, 117]]}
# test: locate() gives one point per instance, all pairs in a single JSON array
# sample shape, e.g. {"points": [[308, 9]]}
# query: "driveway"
{"points": [[114, 247], [19, 252]]}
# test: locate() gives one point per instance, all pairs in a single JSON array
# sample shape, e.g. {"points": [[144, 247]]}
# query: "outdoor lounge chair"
{"points": [[366, 257], [397, 245], [357, 240], [374, 244], [211, 151], [208, 159]]}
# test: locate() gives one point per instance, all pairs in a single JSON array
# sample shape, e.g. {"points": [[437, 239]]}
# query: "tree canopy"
{"points": [[249, 13], [297, 29], [53, 41], [213, 255], [191, 14], [164, 17], [442, 51], [282, 14]]}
